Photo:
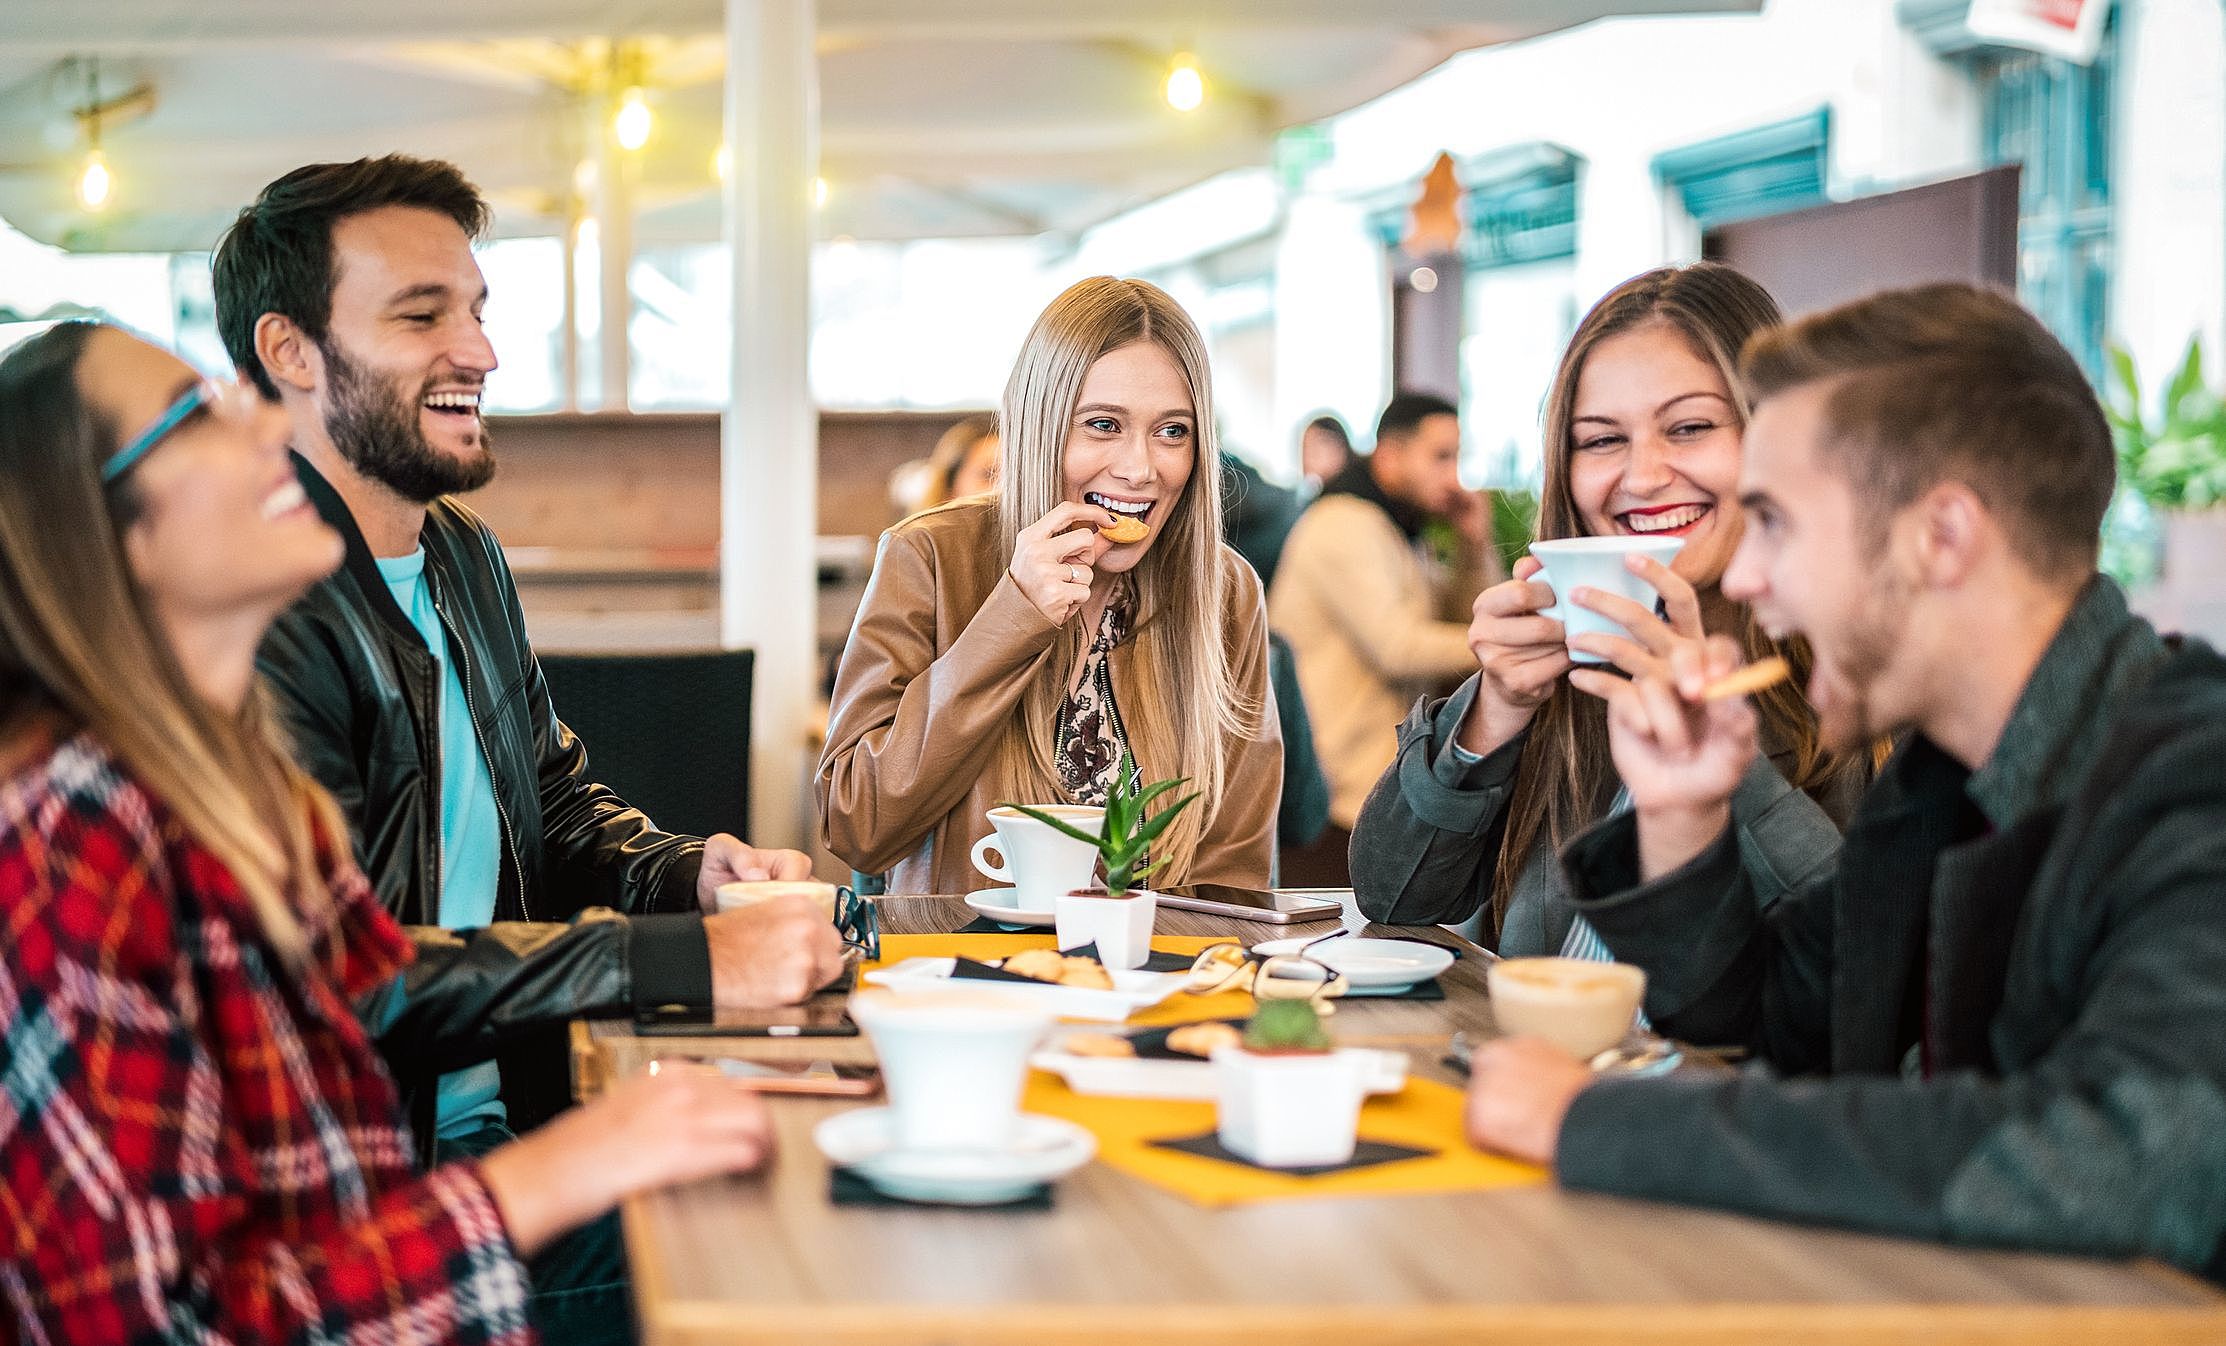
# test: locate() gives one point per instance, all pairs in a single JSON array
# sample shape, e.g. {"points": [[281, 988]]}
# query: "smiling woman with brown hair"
{"points": [[1643, 435], [1009, 649]]}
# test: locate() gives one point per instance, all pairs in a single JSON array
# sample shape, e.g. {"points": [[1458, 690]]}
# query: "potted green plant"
{"points": [[1288, 1098], [2171, 475], [1117, 918]]}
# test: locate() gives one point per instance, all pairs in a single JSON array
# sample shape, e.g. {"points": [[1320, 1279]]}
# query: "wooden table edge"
{"points": [[702, 1322]]}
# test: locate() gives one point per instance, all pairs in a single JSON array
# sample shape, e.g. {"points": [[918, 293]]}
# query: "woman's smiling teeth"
{"points": [[1662, 520], [1133, 509]]}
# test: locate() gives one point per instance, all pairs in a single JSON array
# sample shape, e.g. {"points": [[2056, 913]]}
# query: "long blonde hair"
{"points": [[78, 642], [1190, 706], [1564, 767]]}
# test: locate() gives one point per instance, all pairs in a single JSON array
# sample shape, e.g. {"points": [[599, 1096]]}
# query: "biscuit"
{"points": [[1098, 1044], [1085, 972], [1203, 1039], [1036, 964], [1125, 530]]}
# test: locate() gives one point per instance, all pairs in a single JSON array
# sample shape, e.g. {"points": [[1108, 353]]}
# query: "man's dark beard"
{"points": [[378, 432]]}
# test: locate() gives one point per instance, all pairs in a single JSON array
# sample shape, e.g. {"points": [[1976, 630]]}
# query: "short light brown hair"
{"points": [[1952, 382]]}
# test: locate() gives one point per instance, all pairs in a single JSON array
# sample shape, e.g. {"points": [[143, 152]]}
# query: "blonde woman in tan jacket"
{"points": [[1008, 650]]}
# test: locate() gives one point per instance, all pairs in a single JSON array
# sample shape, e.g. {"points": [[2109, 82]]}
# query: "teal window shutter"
{"points": [[1521, 205], [1760, 171]]}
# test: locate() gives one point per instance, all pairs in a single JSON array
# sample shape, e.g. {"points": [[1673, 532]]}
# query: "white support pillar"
{"points": [[769, 458], [614, 233]]}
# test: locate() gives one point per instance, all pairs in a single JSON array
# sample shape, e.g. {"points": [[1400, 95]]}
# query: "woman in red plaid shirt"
{"points": [[197, 1138]]}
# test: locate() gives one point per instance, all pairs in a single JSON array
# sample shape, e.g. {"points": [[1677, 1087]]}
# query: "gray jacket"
{"points": [[2004, 1000], [1428, 840]]}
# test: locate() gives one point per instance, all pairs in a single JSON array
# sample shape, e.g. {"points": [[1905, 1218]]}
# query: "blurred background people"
{"points": [[1325, 449], [1368, 605], [964, 462]]}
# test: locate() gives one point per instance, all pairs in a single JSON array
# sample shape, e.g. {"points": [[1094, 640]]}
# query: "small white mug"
{"points": [[1040, 861], [750, 892], [953, 1063], [1121, 927], [1597, 562]]}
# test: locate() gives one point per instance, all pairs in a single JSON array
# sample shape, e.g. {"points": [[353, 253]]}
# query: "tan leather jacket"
{"points": [[944, 647]]}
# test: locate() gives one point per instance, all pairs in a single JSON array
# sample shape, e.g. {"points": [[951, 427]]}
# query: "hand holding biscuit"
{"points": [[1053, 558]]}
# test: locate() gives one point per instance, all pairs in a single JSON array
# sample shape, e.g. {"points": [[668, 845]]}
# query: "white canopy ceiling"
{"points": [[940, 118]]}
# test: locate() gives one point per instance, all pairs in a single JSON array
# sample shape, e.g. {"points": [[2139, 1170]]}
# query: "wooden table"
{"points": [[767, 1259]]}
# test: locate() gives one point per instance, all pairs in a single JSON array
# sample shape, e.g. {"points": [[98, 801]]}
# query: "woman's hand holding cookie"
{"points": [[1053, 556]]}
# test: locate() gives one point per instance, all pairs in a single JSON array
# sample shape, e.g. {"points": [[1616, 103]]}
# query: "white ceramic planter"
{"points": [[1290, 1111], [1121, 927]]}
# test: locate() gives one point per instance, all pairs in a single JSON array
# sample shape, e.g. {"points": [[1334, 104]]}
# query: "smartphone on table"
{"points": [[1275, 906], [820, 1017], [832, 1078]]}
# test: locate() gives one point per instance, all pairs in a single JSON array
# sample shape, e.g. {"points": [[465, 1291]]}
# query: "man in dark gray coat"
{"points": [[1999, 1018]]}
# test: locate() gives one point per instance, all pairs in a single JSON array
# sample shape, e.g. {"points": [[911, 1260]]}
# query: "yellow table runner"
{"points": [[1424, 1114]]}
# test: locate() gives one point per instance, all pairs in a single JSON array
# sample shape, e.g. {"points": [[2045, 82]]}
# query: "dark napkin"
{"points": [[976, 971], [982, 925], [1367, 1154], [1151, 1043], [1421, 990], [846, 1188], [1155, 961]]}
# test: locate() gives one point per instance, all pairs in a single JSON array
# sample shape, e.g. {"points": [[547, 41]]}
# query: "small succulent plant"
{"points": [[1127, 838], [1286, 1026]]}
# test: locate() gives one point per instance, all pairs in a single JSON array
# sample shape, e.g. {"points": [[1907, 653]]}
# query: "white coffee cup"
{"points": [[952, 1062], [1597, 562], [750, 892], [1580, 1006], [1121, 927], [1040, 861]]}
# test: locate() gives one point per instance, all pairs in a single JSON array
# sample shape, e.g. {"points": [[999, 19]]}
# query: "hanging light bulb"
{"points": [[1185, 87], [95, 182], [819, 193], [722, 162], [633, 121]]}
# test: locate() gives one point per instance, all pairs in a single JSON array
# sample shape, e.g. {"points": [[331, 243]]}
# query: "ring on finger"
{"points": [[1074, 575]]}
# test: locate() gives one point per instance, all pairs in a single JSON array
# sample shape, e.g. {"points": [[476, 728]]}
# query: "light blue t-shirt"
{"points": [[471, 833]]}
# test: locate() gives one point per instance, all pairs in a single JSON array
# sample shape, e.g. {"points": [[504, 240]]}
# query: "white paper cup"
{"points": [[750, 892], [1597, 562], [1040, 861], [1578, 1005], [953, 1063], [1121, 927]]}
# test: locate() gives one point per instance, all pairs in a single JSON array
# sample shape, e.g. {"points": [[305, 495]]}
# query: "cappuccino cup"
{"points": [[748, 893], [953, 1063], [1040, 861], [1597, 562], [1578, 1005]]}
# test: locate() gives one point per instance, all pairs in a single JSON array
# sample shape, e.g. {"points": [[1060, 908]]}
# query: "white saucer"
{"points": [[997, 905], [1042, 1148], [1371, 962]]}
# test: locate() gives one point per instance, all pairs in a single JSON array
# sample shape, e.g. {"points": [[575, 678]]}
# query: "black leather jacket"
{"points": [[352, 679]]}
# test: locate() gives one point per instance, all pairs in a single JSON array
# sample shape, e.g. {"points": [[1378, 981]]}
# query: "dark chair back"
{"points": [[670, 732]]}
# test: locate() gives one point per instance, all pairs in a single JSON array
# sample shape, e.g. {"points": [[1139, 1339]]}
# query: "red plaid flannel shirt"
{"points": [[195, 1143]]}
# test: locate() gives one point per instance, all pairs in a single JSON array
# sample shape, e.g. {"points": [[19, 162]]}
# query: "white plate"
{"points": [[1371, 962], [1134, 1077], [1131, 991], [997, 905], [1042, 1148]]}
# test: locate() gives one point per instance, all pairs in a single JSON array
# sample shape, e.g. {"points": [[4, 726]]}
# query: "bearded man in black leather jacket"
{"points": [[349, 293]]}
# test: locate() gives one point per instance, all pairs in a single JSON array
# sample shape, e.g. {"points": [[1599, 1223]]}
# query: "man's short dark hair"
{"points": [[1408, 410], [1329, 423], [1953, 382], [277, 256]]}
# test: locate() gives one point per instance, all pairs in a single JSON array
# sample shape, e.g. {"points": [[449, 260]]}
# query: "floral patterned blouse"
{"points": [[1092, 738]]}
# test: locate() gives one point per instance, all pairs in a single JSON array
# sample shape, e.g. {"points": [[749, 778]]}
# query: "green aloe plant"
{"points": [[1285, 1026], [1128, 834]]}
